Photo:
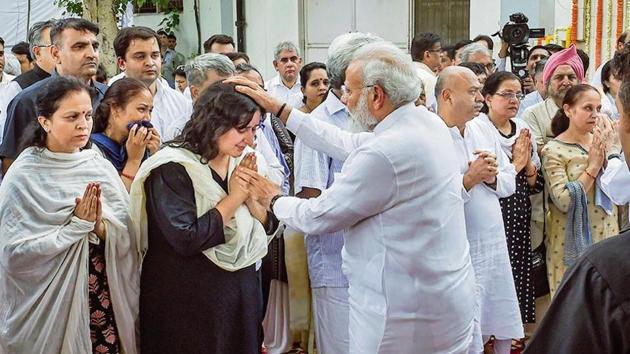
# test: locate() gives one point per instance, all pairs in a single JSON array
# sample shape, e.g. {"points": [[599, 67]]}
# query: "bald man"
{"points": [[487, 175]]}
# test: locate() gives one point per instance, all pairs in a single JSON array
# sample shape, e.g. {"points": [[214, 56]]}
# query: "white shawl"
{"points": [[44, 254], [245, 238], [507, 143]]}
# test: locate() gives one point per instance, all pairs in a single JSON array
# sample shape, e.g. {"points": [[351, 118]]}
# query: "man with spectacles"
{"points": [[478, 53], [286, 85], [411, 282], [425, 52], [44, 64]]}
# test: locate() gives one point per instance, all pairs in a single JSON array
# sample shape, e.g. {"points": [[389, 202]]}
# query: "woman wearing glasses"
{"points": [[502, 93]]}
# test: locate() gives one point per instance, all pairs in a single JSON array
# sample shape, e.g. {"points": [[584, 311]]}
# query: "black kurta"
{"points": [[187, 303], [590, 312]]}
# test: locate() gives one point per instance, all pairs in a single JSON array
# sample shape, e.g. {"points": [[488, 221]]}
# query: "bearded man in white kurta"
{"points": [[487, 175], [411, 283]]}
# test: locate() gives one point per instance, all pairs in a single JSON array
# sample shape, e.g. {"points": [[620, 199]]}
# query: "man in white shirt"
{"points": [[314, 173], [411, 283], [425, 52], [138, 52], [487, 175], [286, 85]]}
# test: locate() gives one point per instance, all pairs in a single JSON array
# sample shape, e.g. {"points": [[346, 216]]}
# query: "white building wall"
{"points": [[268, 23]]}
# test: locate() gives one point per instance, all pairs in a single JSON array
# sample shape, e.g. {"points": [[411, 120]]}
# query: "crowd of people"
{"points": [[384, 201]]}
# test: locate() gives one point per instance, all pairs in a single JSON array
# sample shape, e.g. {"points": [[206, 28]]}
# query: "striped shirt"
{"points": [[314, 169]]}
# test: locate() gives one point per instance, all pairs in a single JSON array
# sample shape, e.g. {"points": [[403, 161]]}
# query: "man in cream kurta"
{"points": [[411, 282]]}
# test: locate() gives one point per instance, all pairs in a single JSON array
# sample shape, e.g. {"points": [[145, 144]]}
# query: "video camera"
{"points": [[517, 33]]}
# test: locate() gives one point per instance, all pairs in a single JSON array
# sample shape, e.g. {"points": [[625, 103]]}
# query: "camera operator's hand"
{"points": [[503, 52]]}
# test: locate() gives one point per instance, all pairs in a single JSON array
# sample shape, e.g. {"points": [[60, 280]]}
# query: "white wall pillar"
{"points": [[267, 24]]}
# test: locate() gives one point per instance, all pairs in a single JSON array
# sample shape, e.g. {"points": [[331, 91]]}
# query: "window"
{"points": [[448, 18], [151, 6]]}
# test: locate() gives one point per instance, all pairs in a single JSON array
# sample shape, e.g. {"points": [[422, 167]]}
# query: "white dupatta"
{"points": [[507, 143], [245, 238], [44, 254]]}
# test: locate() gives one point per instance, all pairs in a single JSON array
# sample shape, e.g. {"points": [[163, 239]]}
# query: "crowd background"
{"points": [[539, 158]]}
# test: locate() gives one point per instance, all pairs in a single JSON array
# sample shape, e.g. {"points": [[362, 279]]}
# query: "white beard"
{"points": [[361, 118]]}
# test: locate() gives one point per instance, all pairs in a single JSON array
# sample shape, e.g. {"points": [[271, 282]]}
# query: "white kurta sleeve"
{"points": [[506, 178], [615, 181], [354, 196], [25, 252], [327, 138]]}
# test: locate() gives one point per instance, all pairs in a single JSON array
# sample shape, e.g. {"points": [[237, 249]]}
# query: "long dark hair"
{"points": [[492, 84], [560, 122], [219, 109], [118, 94], [48, 100]]}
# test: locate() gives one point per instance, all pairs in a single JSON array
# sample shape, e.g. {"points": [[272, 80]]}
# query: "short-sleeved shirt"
{"points": [[314, 169], [22, 115], [292, 96]]}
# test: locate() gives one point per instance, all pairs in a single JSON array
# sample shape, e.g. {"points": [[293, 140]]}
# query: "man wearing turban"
{"points": [[562, 70]]}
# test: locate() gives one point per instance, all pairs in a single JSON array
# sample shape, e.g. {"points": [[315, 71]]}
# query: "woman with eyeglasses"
{"points": [[502, 93]]}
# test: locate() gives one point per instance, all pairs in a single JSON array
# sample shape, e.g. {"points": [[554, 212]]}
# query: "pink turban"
{"points": [[568, 57]]}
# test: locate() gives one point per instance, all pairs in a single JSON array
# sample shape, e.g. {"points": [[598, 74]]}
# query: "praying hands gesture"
{"points": [[248, 164], [89, 208], [483, 169], [522, 153], [596, 153]]}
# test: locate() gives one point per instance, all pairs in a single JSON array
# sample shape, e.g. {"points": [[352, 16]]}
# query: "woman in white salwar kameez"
{"points": [[487, 176], [68, 264]]}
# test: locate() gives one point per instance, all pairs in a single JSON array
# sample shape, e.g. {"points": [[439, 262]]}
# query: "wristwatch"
{"points": [[273, 201]]}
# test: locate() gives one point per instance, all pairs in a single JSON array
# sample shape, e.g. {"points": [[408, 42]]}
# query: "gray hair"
{"points": [[389, 67], [286, 45], [197, 68], [340, 54], [35, 35], [471, 49]]}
